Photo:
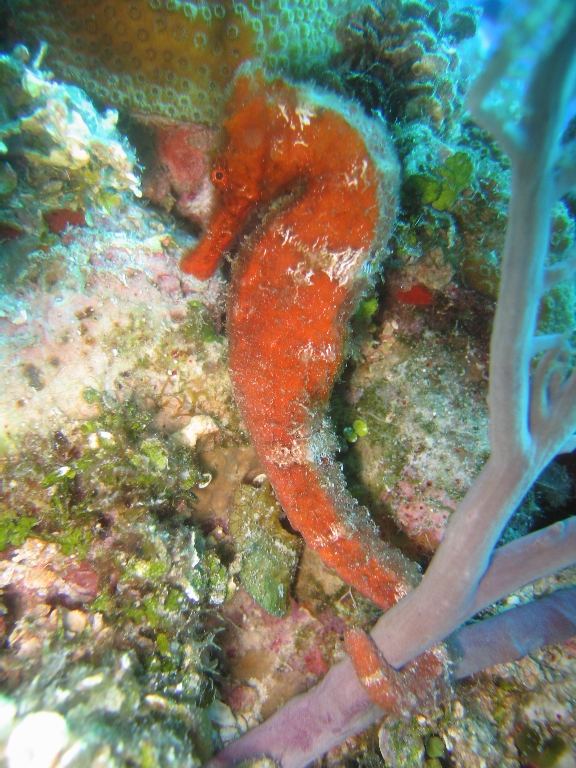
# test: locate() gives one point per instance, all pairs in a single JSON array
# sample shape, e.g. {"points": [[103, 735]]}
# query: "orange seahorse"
{"points": [[307, 188]]}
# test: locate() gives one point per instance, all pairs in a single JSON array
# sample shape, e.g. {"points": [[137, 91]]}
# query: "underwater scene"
{"points": [[287, 383]]}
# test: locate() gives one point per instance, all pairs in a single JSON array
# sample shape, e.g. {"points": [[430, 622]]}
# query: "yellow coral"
{"points": [[175, 57]]}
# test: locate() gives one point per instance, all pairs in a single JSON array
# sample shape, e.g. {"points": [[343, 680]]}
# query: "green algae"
{"points": [[382, 438], [268, 553], [147, 570], [155, 451], [366, 309], [442, 185], [165, 581], [198, 327], [91, 396], [435, 747], [128, 455], [350, 434], [147, 757], [541, 751], [127, 418], [14, 530], [141, 471], [209, 578], [76, 542], [402, 744], [358, 429]]}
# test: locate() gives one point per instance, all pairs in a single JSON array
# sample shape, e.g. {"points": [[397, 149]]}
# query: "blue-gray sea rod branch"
{"points": [[532, 419], [314, 722]]}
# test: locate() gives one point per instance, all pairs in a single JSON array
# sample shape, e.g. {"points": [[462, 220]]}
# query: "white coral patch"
{"points": [[8, 712], [37, 741], [198, 427]]}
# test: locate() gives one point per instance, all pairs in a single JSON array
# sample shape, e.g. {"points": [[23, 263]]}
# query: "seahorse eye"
{"points": [[218, 176]]}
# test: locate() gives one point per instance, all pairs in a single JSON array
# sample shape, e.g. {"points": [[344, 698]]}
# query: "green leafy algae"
{"points": [[366, 309], [441, 187], [15, 530], [435, 747], [154, 450], [156, 577]]}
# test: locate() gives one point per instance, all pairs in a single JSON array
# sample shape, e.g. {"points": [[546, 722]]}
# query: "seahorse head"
{"points": [[255, 164]]}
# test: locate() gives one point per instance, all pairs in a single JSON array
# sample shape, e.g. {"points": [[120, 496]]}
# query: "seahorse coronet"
{"points": [[307, 198]]}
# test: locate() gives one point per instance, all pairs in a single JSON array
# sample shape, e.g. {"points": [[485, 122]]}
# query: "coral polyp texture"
{"points": [[402, 57], [324, 215], [176, 58]]}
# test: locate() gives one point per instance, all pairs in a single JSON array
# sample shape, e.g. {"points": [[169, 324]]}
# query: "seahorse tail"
{"points": [[333, 523]]}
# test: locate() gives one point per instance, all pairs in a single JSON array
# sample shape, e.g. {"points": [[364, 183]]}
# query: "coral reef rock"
{"points": [[174, 57]]}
